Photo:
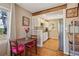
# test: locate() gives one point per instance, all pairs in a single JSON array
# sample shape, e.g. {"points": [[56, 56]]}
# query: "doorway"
{"points": [[55, 40], [50, 36], [55, 30], [52, 42]]}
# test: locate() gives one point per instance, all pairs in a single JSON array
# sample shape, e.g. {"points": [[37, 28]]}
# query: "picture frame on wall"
{"points": [[72, 12], [25, 21]]}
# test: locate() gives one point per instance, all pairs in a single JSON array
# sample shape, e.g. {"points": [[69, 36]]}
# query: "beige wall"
{"points": [[5, 5], [19, 13], [53, 33]]}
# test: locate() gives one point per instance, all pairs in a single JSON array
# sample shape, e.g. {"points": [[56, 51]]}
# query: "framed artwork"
{"points": [[25, 21], [72, 12]]}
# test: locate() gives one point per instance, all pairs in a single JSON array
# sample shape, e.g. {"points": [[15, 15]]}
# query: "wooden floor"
{"points": [[51, 44], [50, 48]]}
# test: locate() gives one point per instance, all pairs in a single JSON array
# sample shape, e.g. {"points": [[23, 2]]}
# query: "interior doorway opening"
{"points": [[55, 36], [50, 30]]}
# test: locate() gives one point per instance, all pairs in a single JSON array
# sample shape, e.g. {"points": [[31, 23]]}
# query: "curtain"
{"points": [[12, 26], [3, 46]]}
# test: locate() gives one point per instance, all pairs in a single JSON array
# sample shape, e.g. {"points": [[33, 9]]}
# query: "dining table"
{"points": [[24, 41]]}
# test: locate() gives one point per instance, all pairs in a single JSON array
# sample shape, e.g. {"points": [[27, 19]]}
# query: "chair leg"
{"points": [[26, 51], [30, 51], [20, 54], [11, 53], [36, 49], [15, 54]]}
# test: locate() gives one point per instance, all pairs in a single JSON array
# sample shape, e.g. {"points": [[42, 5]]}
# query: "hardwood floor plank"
{"points": [[50, 48]]}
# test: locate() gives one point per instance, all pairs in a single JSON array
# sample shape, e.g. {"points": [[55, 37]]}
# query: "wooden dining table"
{"points": [[24, 41]]}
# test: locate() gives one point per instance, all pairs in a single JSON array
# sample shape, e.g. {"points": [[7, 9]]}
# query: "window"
{"points": [[3, 22]]}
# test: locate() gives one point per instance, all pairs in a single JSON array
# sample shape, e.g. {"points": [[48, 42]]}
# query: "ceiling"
{"points": [[35, 7]]}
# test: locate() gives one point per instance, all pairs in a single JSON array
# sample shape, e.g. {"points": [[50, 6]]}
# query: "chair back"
{"points": [[13, 43]]}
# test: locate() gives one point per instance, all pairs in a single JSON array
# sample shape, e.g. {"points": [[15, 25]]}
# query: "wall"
{"points": [[53, 33], [67, 22], [5, 6], [19, 13], [36, 23]]}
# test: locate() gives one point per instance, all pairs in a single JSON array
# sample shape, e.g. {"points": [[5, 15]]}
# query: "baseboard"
{"points": [[39, 46], [66, 53], [49, 38], [52, 38]]}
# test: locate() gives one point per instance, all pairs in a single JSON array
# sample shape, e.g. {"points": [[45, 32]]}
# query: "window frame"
{"points": [[8, 21]]}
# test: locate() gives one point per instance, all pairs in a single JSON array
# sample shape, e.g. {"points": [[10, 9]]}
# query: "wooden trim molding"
{"points": [[50, 10]]}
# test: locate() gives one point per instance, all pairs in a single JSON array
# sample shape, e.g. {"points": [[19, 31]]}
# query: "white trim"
{"points": [[8, 25], [67, 53], [39, 45], [64, 29], [9, 31], [73, 39]]}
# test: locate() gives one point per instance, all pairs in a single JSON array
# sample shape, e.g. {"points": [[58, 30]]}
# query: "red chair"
{"points": [[31, 44], [15, 48]]}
